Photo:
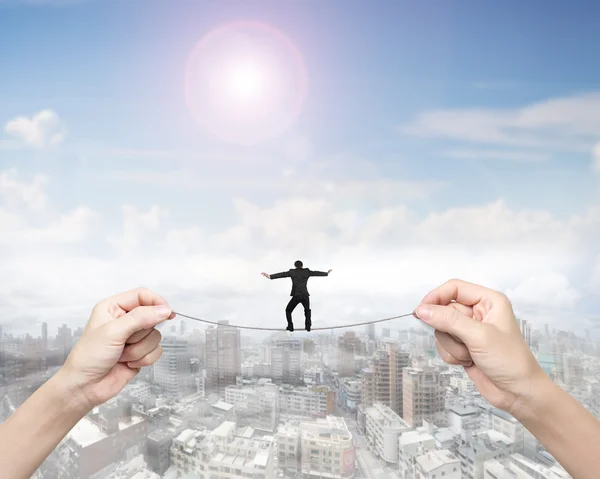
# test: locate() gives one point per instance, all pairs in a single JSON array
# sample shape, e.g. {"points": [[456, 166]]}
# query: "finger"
{"points": [[454, 347], [137, 337], [129, 300], [450, 320], [134, 352], [463, 292], [461, 308], [142, 317], [147, 360], [445, 355]]}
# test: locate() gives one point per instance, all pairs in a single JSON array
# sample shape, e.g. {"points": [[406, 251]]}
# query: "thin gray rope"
{"points": [[257, 328]]}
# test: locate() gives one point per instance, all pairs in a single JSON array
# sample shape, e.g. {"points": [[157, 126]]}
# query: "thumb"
{"points": [[449, 320], [142, 317]]}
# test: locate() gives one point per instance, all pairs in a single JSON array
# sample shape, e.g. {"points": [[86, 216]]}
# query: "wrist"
{"points": [[534, 402], [66, 390]]}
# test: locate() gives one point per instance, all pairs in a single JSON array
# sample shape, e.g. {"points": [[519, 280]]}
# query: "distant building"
{"points": [[517, 466], [424, 395], [327, 449], [286, 359], [223, 357], [382, 380], [438, 464], [412, 444], [172, 371], [99, 440], [476, 449], [311, 401], [288, 449], [383, 428], [158, 453], [224, 453]]}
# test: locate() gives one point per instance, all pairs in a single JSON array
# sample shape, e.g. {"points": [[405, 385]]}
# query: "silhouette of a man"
{"points": [[299, 292]]}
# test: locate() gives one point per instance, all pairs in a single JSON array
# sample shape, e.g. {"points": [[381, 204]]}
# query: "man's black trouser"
{"points": [[295, 301]]}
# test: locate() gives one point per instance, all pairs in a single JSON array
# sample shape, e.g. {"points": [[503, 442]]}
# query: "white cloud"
{"points": [[137, 226], [570, 123], [385, 258], [41, 131], [508, 155], [15, 193], [547, 288]]}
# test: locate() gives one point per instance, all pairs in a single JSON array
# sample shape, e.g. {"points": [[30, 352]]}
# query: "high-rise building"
{"points": [[526, 330], [424, 395], [64, 341], [348, 346], [382, 379], [286, 359], [173, 370], [370, 328], [45, 336], [223, 357]]}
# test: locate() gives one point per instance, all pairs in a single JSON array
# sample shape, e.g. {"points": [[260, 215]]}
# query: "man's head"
{"points": [[298, 264]]}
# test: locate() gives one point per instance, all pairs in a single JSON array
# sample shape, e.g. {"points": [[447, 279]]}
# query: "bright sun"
{"points": [[245, 83], [246, 80]]}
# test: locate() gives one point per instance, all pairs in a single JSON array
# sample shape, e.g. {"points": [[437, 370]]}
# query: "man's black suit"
{"points": [[299, 293]]}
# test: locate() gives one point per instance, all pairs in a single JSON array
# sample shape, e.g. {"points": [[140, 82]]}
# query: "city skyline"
{"points": [[356, 405]]}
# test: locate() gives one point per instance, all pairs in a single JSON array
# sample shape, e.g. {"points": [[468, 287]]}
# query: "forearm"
{"points": [[32, 432], [567, 429]]}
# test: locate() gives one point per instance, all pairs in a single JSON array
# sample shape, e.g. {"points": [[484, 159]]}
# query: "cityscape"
{"points": [[376, 403]]}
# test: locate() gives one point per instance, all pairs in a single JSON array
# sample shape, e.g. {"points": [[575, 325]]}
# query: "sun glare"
{"points": [[246, 80], [245, 83]]}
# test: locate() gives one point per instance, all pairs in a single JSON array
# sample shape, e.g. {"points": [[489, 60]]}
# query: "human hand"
{"points": [[476, 327], [118, 340], [329, 271], [266, 275]]}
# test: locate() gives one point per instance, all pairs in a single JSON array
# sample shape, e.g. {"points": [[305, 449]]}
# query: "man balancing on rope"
{"points": [[299, 292]]}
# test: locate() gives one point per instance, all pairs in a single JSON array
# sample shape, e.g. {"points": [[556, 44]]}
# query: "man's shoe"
{"points": [[290, 328]]}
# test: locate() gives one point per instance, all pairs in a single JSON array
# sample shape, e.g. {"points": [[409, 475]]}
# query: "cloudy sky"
{"points": [[399, 143]]}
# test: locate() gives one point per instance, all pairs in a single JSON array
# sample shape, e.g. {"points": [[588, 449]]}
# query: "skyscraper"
{"points": [[45, 336], [173, 370], [526, 330], [286, 359], [222, 357], [382, 381], [424, 395], [370, 328], [348, 346]]}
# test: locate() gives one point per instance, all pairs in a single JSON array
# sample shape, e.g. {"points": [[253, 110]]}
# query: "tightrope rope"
{"points": [[257, 328]]}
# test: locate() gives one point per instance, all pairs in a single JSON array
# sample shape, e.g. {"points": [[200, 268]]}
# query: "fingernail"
{"points": [[423, 312], [163, 311]]}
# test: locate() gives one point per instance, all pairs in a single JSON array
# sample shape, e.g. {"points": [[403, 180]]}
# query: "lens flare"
{"points": [[245, 83]]}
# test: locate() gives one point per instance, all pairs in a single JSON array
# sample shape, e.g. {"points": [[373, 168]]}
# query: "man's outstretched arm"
{"points": [[320, 273], [285, 274]]}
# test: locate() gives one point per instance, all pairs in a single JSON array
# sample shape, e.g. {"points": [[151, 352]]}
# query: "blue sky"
{"points": [[392, 89], [113, 71]]}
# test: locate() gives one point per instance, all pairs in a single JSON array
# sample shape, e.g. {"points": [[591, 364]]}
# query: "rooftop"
{"points": [[330, 429], [414, 437], [87, 432], [225, 429], [464, 410], [435, 459], [223, 406]]}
